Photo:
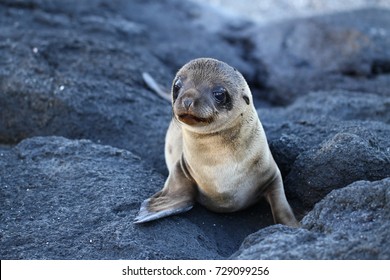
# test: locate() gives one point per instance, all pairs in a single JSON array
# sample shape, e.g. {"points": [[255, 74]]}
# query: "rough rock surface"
{"points": [[73, 199], [74, 70], [328, 140], [351, 223], [349, 50]]}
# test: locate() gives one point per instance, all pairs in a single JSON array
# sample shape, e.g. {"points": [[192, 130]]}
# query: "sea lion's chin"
{"points": [[192, 120]]}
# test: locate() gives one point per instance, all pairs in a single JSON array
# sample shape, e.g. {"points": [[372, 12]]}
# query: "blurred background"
{"points": [[263, 11]]}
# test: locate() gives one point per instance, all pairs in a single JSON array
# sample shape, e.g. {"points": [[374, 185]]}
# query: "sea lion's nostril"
{"points": [[187, 103]]}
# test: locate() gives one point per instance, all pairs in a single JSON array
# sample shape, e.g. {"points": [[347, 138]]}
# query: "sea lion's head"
{"points": [[209, 95]]}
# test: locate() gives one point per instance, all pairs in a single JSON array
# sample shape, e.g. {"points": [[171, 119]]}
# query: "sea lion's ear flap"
{"points": [[246, 98]]}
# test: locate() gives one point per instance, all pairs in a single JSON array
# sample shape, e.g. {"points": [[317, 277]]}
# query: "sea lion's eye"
{"points": [[177, 85], [220, 94]]}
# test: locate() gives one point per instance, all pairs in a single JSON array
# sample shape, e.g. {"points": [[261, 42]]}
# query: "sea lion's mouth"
{"points": [[191, 119]]}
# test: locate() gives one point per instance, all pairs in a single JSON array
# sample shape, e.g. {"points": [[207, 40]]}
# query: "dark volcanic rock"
{"points": [[349, 50], [74, 69], [327, 140], [350, 223], [64, 199], [71, 73], [335, 163]]}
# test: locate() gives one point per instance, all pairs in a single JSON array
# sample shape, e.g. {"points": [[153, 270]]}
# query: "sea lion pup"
{"points": [[215, 149]]}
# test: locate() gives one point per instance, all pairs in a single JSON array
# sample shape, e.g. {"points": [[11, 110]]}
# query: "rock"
{"points": [[327, 140], [335, 105], [348, 50], [349, 223], [76, 200], [265, 12], [73, 199], [75, 76], [74, 70], [335, 163]]}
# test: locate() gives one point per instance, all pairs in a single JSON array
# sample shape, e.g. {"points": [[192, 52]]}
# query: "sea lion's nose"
{"points": [[187, 102]]}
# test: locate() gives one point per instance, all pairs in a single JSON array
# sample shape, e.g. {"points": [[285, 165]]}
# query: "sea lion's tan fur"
{"points": [[216, 152]]}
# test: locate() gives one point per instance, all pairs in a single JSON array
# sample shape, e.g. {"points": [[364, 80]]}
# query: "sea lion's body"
{"points": [[216, 150], [211, 159]]}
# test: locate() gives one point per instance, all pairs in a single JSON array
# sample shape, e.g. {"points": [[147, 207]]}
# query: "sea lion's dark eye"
{"points": [[220, 94], [177, 85]]}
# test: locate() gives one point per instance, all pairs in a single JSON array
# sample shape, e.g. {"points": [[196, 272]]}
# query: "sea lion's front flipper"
{"points": [[281, 209], [177, 196], [147, 215]]}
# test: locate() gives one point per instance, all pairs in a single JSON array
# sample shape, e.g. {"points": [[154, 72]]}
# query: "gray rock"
{"points": [[74, 69], [350, 223], [66, 73], [335, 163], [347, 50], [334, 105], [65, 199], [327, 140], [73, 199]]}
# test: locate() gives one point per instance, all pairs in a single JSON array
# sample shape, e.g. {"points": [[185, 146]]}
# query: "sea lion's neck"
{"points": [[240, 133]]}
